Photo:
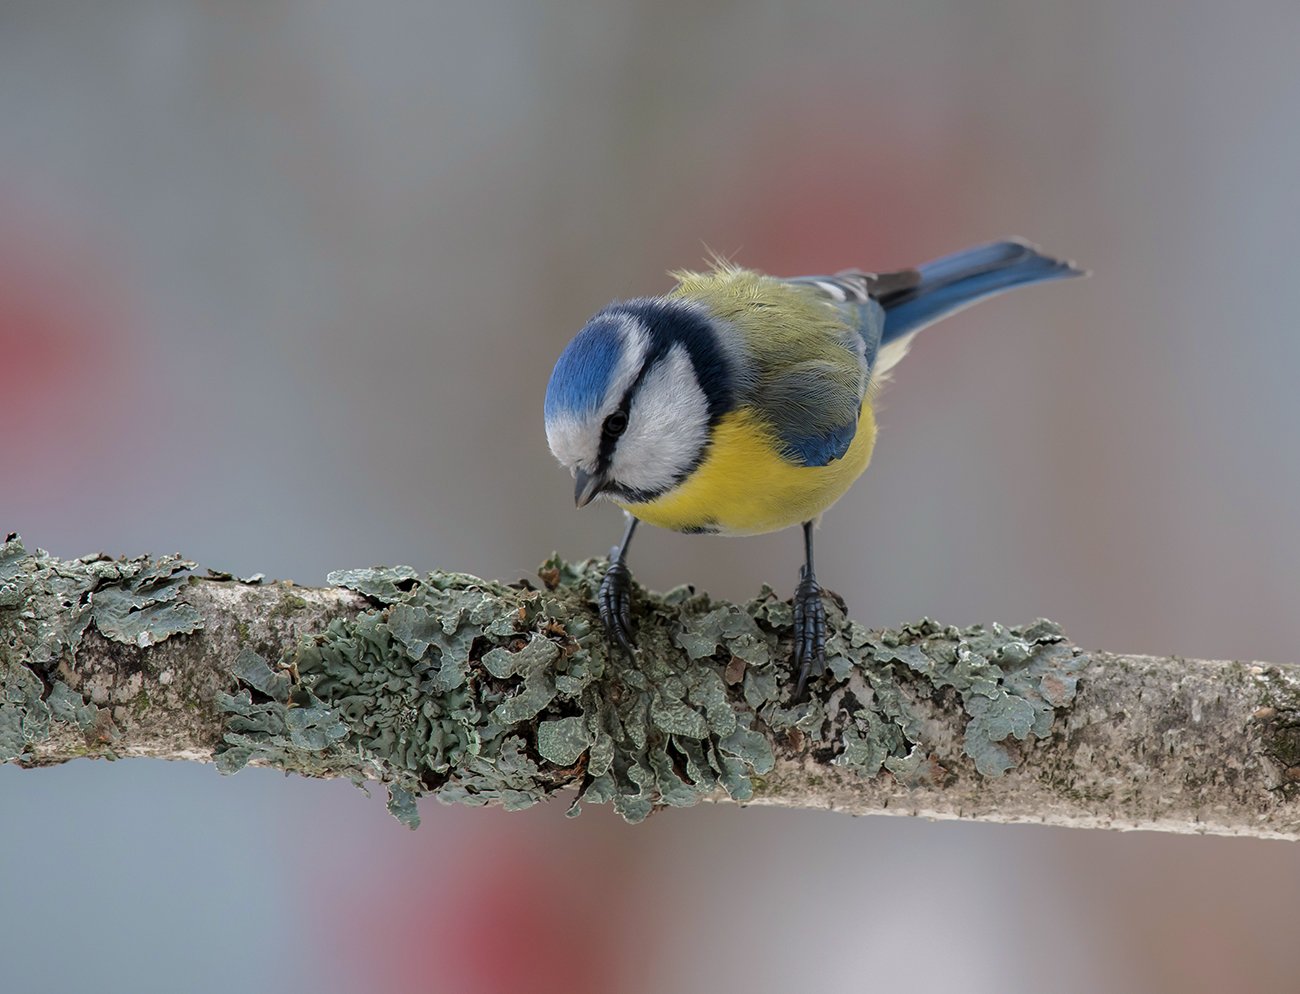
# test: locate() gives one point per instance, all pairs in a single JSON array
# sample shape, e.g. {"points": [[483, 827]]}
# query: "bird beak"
{"points": [[585, 487]]}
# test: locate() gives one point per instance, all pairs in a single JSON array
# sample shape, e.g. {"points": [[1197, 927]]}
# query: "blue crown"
{"points": [[584, 369]]}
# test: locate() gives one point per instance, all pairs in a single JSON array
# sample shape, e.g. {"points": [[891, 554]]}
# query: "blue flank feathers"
{"points": [[818, 450]]}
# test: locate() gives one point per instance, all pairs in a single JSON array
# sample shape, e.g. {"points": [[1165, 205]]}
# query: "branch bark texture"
{"points": [[482, 692]]}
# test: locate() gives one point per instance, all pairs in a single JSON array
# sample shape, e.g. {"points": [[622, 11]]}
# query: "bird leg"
{"points": [[616, 591], [809, 619]]}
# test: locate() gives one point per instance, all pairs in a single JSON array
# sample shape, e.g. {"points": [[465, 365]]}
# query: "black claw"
{"points": [[616, 604], [809, 630]]}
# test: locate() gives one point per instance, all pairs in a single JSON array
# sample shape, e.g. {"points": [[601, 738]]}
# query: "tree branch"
{"points": [[482, 692]]}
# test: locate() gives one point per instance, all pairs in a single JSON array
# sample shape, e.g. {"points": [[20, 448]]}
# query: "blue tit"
{"points": [[740, 403]]}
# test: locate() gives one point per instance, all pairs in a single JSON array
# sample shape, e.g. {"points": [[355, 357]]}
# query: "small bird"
{"points": [[740, 403]]}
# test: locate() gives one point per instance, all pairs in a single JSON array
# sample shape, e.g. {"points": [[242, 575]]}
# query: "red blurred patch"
{"points": [[517, 926], [847, 186], [497, 914], [63, 346]]}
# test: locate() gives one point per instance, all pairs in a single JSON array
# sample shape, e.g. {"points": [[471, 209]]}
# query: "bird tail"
{"points": [[947, 285]]}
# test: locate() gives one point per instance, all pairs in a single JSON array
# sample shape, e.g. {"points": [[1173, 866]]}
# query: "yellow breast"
{"points": [[745, 487]]}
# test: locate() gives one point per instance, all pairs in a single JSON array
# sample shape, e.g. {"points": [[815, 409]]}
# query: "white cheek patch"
{"points": [[667, 426]]}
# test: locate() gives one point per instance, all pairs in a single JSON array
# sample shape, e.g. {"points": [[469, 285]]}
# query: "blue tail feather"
{"points": [[960, 279]]}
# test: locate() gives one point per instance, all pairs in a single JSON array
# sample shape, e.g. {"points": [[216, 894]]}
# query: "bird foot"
{"points": [[615, 600], [809, 630]]}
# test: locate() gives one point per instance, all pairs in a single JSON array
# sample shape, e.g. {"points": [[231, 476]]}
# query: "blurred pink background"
{"points": [[281, 286]]}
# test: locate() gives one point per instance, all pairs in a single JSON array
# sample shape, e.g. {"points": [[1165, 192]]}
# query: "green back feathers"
{"points": [[793, 319], [804, 371]]}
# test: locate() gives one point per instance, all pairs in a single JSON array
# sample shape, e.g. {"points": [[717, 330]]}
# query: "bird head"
{"points": [[625, 408]]}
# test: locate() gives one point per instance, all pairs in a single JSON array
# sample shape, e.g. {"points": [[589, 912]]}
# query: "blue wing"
{"points": [[815, 404]]}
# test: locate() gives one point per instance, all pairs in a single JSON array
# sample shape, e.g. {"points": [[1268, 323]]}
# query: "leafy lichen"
{"points": [[483, 693], [46, 607]]}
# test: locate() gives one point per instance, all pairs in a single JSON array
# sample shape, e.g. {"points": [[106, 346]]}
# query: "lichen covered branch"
{"points": [[489, 693]]}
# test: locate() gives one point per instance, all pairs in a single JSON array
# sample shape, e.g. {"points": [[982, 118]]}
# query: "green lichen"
{"points": [[252, 669], [482, 693], [1010, 681], [46, 606], [289, 603]]}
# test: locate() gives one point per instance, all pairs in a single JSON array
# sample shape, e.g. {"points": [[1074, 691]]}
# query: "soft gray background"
{"points": [[280, 288]]}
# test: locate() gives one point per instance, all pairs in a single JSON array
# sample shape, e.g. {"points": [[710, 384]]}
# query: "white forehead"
{"points": [[574, 436]]}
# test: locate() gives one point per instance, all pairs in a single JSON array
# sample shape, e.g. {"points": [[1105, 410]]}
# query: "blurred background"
{"points": [[281, 285]]}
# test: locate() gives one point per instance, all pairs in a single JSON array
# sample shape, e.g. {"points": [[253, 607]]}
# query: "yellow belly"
{"points": [[744, 487]]}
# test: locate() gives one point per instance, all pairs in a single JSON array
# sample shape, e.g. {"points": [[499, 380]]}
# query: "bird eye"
{"points": [[615, 424]]}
